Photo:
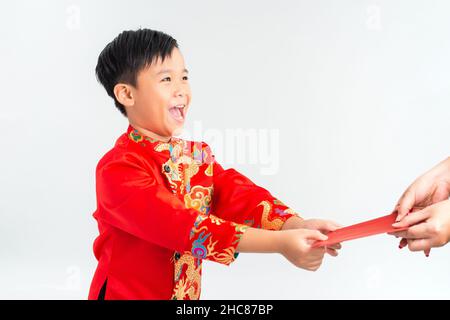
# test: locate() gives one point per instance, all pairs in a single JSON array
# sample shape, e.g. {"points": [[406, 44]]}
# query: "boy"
{"points": [[164, 204]]}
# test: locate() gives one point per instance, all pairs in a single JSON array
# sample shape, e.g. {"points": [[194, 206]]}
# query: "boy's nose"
{"points": [[180, 90], [180, 93]]}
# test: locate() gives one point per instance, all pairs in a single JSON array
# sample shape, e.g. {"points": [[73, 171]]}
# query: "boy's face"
{"points": [[161, 97]]}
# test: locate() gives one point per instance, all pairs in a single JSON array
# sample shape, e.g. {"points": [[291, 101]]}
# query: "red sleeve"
{"points": [[130, 199], [236, 198]]}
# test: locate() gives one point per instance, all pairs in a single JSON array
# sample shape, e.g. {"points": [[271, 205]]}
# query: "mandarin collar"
{"points": [[137, 137]]}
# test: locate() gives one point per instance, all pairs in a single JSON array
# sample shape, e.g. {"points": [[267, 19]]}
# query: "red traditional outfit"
{"points": [[163, 207]]}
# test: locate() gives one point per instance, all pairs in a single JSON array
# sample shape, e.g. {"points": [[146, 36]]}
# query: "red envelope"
{"points": [[360, 230]]}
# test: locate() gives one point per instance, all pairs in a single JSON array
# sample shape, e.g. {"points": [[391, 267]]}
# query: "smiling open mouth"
{"points": [[178, 112]]}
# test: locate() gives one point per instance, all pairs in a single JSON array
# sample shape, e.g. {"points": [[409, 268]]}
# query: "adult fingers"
{"points": [[403, 243], [419, 244], [412, 219], [405, 204], [418, 231]]}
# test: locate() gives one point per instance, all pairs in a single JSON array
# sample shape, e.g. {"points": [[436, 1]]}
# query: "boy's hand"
{"points": [[429, 227], [324, 226], [296, 247]]}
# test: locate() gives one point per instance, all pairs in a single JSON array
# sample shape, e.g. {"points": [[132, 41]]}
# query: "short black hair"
{"points": [[130, 52]]}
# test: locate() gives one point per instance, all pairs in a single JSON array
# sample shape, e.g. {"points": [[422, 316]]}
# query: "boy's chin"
{"points": [[177, 131]]}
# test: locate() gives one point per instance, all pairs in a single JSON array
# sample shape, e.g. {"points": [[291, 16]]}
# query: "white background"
{"points": [[358, 91]]}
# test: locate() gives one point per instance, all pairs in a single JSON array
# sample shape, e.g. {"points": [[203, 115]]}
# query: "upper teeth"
{"points": [[179, 106]]}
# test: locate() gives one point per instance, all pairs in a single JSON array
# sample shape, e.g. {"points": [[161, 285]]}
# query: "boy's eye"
{"points": [[168, 78]]}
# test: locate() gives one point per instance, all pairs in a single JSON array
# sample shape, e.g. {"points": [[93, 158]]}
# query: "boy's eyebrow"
{"points": [[170, 70]]}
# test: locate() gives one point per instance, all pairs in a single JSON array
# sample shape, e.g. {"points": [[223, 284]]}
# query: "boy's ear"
{"points": [[123, 94]]}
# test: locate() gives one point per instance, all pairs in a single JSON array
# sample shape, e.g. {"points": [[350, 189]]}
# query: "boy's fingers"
{"points": [[334, 225], [317, 253], [326, 226], [335, 246], [412, 219], [315, 235], [332, 252]]}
